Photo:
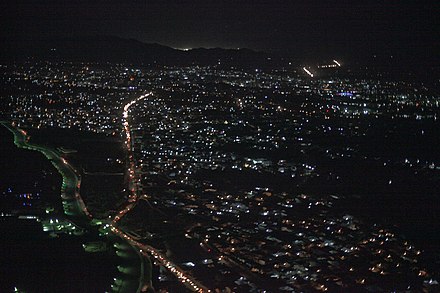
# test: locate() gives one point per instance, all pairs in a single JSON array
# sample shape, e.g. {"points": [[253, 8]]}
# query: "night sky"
{"points": [[304, 27]]}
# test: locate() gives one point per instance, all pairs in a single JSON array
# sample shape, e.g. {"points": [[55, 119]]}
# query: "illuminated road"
{"points": [[146, 250]]}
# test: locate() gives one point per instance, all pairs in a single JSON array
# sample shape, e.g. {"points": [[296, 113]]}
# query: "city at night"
{"points": [[219, 146]]}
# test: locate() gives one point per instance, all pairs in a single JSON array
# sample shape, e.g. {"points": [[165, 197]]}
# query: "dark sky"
{"points": [[305, 26]]}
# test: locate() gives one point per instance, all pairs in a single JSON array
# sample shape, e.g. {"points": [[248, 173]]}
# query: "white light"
{"points": [[308, 72]]}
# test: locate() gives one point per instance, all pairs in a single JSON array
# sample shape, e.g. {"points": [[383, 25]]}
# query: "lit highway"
{"points": [[146, 250]]}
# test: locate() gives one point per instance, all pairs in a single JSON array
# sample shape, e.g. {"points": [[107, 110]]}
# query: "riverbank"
{"points": [[76, 211]]}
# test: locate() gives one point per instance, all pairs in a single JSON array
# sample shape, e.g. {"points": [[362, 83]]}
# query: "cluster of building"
{"points": [[222, 158], [232, 181]]}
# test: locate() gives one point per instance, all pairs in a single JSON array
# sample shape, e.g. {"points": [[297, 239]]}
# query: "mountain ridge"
{"points": [[116, 49]]}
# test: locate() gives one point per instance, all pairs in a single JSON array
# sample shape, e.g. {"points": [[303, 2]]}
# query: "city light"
{"points": [[209, 162]]}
